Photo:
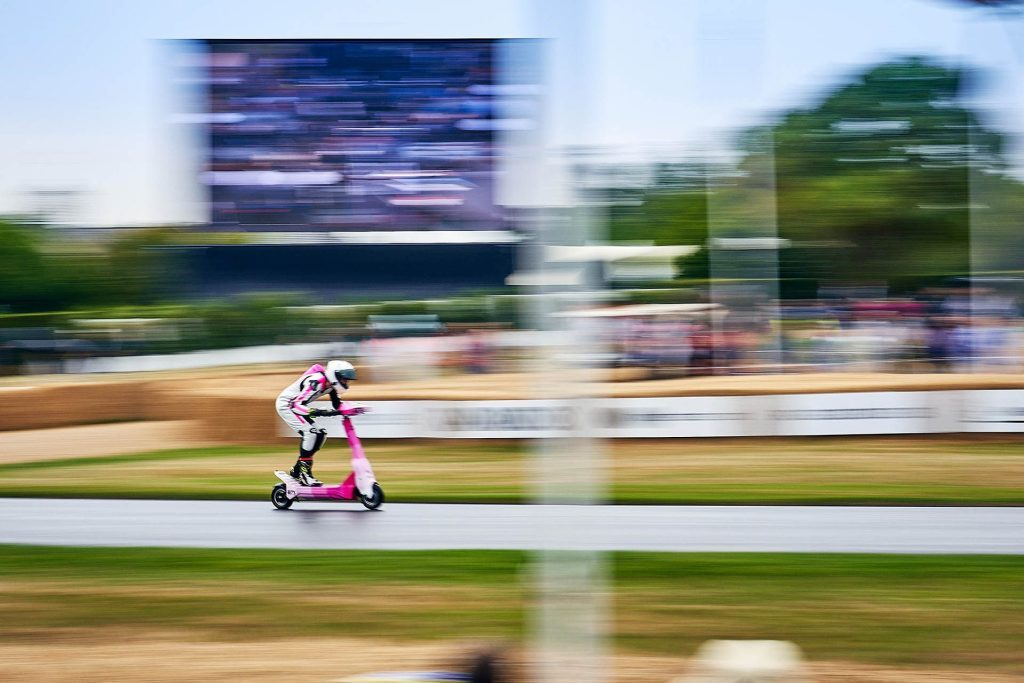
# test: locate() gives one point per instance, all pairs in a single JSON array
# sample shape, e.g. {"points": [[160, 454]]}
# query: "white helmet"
{"points": [[339, 372]]}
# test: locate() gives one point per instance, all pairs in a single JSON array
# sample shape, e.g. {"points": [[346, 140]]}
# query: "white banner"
{"points": [[525, 419], [892, 412], [459, 420], [994, 410], [691, 416]]}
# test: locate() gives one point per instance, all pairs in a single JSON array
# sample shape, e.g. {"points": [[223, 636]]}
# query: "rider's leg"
{"points": [[303, 471]]}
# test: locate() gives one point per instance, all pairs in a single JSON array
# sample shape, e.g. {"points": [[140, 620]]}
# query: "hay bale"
{"points": [[746, 661]]}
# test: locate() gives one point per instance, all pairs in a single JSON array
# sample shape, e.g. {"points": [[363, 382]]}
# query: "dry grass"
{"points": [[879, 460], [127, 655], [848, 470], [90, 441], [155, 657], [205, 615]]}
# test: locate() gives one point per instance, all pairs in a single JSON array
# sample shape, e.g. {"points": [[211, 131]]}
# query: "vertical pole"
{"points": [[568, 621], [743, 256], [742, 222], [992, 222]]}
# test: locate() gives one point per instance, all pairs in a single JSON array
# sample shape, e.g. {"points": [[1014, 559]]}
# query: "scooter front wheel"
{"points": [[374, 500], [279, 497]]}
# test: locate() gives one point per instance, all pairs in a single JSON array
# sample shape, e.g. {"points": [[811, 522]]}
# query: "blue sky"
{"points": [[87, 94]]}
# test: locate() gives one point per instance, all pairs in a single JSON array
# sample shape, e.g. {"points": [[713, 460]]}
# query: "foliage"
{"points": [[871, 184], [879, 172], [245, 321], [140, 268], [22, 267], [39, 273]]}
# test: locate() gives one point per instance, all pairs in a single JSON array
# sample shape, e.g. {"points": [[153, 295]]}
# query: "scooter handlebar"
{"points": [[348, 412], [323, 413], [358, 410]]}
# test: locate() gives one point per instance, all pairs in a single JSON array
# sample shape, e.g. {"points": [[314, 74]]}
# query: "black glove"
{"points": [[319, 412]]}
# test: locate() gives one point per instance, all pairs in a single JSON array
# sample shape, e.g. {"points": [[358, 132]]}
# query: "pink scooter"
{"points": [[360, 485]]}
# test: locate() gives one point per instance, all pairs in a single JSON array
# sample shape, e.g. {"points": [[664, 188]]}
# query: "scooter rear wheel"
{"points": [[374, 500], [279, 497]]}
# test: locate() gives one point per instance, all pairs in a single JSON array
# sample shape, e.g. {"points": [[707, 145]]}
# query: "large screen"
{"points": [[352, 135]]}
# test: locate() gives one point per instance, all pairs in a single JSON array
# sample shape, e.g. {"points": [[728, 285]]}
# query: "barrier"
{"points": [[911, 412], [993, 411]]}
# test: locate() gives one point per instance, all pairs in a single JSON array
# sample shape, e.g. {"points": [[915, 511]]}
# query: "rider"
{"points": [[293, 405]]}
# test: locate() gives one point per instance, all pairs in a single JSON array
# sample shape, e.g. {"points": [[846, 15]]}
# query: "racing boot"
{"points": [[303, 471]]}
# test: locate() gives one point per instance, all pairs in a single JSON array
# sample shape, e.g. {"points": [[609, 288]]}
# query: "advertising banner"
{"points": [[994, 410], [691, 416], [890, 412], [893, 412]]}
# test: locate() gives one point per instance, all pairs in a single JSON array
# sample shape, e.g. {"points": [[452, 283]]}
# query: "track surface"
{"points": [[229, 524]]}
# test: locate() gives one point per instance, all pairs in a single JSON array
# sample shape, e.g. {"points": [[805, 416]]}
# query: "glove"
{"points": [[358, 410]]}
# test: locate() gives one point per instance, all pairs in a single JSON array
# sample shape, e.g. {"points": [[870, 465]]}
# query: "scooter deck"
{"points": [[296, 491]]}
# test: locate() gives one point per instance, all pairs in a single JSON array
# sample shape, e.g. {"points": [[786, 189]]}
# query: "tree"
{"points": [[22, 269], [870, 184], [141, 267], [39, 273], [882, 165]]}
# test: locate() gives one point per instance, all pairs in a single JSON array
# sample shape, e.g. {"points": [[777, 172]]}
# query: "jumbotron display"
{"points": [[352, 135]]}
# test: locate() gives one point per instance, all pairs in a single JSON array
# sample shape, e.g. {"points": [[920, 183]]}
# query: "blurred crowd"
{"points": [[950, 330], [938, 331]]}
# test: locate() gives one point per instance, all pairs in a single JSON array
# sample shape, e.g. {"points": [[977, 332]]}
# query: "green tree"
{"points": [[22, 268], [872, 183], [38, 273], [672, 211], [141, 268], [881, 166]]}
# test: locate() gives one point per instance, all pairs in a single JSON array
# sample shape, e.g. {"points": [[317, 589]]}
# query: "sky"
{"points": [[87, 92]]}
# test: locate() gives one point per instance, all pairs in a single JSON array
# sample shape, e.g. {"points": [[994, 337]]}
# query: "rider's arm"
{"points": [[335, 400], [299, 408]]}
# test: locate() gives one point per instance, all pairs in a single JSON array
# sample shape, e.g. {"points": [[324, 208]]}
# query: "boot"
{"points": [[303, 471]]}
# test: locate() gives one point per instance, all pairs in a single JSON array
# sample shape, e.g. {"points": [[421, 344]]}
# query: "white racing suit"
{"points": [[293, 405]]}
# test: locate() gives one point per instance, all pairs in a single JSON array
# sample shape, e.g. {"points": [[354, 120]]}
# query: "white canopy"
{"points": [[647, 310], [617, 252]]}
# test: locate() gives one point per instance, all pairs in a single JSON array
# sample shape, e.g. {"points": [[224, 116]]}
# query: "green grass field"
{"points": [[853, 470], [907, 611]]}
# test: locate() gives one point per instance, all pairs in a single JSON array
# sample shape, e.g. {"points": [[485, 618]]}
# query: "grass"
{"points": [[852, 470], [946, 611], [909, 611]]}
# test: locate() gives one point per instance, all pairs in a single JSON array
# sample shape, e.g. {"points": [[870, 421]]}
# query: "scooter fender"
{"points": [[291, 484], [364, 475]]}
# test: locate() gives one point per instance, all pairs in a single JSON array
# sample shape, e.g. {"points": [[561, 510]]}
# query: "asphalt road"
{"points": [[231, 524]]}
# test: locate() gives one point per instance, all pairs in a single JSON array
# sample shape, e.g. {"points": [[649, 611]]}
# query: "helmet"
{"points": [[339, 372]]}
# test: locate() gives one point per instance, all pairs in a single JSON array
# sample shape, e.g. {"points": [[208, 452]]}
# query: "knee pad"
{"points": [[311, 443]]}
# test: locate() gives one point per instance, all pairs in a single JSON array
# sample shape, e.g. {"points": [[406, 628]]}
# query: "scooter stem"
{"points": [[353, 440]]}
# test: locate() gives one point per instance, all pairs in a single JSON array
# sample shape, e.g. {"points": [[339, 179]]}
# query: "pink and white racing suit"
{"points": [[293, 405]]}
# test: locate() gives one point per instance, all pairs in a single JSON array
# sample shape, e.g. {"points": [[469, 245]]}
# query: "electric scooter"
{"points": [[360, 485]]}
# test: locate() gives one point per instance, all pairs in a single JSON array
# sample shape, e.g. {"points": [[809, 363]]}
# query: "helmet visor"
{"points": [[343, 376]]}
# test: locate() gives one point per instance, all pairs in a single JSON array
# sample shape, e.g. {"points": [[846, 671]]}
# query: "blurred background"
{"points": [[589, 251], [837, 199]]}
